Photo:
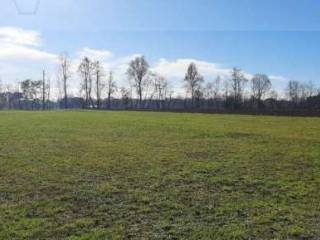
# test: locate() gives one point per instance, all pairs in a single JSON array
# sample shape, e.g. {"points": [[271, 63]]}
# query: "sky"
{"points": [[278, 38]]}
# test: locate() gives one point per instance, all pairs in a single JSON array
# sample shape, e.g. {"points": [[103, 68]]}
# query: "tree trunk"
{"points": [[65, 93], [43, 91], [98, 91], [109, 100]]}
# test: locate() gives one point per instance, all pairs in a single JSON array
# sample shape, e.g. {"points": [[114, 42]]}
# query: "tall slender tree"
{"points": [[65, 74], [160, 89], [86, 70], [98, 73], [43, 90], [238, 82], [111, 88], [193, 81], [137, 71], [293, 91]]}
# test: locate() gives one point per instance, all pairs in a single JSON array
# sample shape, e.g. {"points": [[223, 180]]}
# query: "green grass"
{"points": [[131, 175]]}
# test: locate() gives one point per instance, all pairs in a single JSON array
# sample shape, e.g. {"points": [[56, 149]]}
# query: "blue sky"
{"points": [[280, 38]]}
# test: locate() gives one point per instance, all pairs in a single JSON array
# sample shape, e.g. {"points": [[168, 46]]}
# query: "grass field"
{"points": [[131, 175]]}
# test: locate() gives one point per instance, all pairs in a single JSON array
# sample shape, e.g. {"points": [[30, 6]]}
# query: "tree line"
{"points": [[148, 90]]}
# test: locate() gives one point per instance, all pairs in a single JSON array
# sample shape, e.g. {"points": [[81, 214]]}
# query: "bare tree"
{"points": [[198, 96], [226, 88], [302, 92], [170, 93], [193, 81], [209, 91], [137, 71], [8, 88], [212, 91], [86, 70], [65, 74], [48, 89], [125, 96], [311, 90], [217, 87], [273, 94], [238, 82], [293, 91], [1, 94], [98, 72], [160, 85], [111, 88], [36, 90], [261, 85], [148, 89], [43, 90]]}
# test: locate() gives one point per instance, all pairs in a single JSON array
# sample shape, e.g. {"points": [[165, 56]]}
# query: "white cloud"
{"points": [[176, 69], [21, 55], [279, 82], [22, 45], [279, 78], [11, 35], [96, 54]]}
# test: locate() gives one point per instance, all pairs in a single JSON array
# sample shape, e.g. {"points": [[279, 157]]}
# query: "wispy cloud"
{"points": [[19, 36], [176, 69], [22, 45], [21, 54], [100, 55]]}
